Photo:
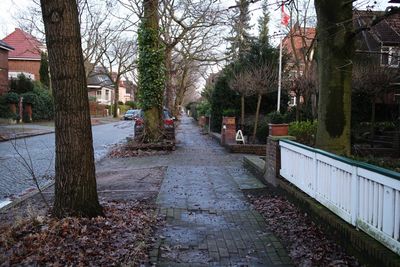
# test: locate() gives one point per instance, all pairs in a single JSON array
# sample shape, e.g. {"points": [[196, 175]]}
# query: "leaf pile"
{"points": [[135, 149], [306, 243], [122, 237]]}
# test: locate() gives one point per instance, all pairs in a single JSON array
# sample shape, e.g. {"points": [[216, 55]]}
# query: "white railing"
{"points": [[363, 195]]}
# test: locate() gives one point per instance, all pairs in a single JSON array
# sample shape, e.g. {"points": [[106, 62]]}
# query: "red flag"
{"points": [[284, 17]]}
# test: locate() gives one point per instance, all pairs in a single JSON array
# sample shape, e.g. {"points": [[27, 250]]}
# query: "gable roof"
{"points": [[5, 46], [386, 31], [25, 45], [97, 80]]}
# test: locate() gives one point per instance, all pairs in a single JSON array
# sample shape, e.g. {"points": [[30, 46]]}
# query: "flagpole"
{"points": [[278, 107]]}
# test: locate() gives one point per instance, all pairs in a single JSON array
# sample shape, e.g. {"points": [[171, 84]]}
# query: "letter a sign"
{"points": [[239, 136]]}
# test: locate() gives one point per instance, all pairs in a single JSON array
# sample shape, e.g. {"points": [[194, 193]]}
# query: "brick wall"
{"points": [[259, 150], [3, 71], [228, 130], [31, 66], [273, 158]]}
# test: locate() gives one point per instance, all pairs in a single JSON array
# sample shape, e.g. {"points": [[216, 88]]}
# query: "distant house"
{"points": [[126, 91], [297, 44], [25, 58], [381, 41], [4, 50], [100, 87], [380, 44]]}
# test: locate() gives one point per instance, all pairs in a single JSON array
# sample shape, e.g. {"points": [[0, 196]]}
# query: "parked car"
{"points": [[131, 114], [169, 125]]}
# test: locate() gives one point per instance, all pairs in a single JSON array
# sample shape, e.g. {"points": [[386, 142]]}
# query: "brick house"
{"points": [[4, 50], [25, 58], [298, 45]]}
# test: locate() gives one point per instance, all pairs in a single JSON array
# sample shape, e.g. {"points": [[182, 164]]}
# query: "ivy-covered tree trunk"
{"points": [[75, 180], [334, 58], [151, 72]]}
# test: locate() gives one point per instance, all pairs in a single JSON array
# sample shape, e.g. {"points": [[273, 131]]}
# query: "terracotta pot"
{"points": [[278, 129]]}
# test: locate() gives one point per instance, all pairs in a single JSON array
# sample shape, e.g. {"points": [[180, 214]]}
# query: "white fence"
{"points": [[363, 195]]}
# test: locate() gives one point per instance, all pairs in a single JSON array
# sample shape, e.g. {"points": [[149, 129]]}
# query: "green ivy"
{"points": [[151, 68]]}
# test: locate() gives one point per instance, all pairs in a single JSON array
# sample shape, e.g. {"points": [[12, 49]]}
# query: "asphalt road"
{"points": [[39, 152]]}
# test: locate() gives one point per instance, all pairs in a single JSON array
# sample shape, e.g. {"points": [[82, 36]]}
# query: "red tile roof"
{"points": [[25, 45]]}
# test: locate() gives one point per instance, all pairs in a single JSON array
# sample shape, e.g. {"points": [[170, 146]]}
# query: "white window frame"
{"points": [[393, 53]]}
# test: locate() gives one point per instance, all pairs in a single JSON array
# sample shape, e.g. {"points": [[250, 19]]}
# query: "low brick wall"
{"points": [[259, 150], [367, 250]]}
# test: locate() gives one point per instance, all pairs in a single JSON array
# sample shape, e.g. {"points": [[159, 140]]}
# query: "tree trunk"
{"points": [[242, 112], [116, 97], [372, 129], [257, 115], [75, 181], [334, 56], [153, 129], [297, 107]]}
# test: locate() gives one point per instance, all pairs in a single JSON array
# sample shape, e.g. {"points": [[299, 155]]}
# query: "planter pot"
{"points": [[278, 129]]}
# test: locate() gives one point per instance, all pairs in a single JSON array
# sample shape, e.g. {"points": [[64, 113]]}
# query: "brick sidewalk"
{"points": [[209, 221]]}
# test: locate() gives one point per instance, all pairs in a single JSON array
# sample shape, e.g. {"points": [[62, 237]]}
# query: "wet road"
{"points": [[39, 152]]}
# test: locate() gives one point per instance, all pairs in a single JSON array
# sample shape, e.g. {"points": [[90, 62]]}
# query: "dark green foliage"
{"points": [[262, 131], [5, 111], [120, 103], [151, 68], [276, 117], [29, 98], [304, 131], [204, 108], [222, 98], [21, 85], [44, 70], [11, 98], [193, 110], [131, 104], [42, 104], [230, 112]]}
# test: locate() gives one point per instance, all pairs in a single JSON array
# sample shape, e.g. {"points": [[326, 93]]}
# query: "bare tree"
{"points": [[262, 80], [118, 59], [240, 83], [374, 82]]}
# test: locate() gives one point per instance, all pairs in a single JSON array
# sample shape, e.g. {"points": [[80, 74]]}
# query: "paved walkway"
{"points": [[209, 222]]}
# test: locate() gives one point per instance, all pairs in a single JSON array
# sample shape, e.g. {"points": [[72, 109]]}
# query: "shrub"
{"points": [[276, 117], [30, 98], [262, 131], [120, 103], [5, 111], [21, 85], [304, 131], [42, 104], [11, 98], [203, 108], [230, 112], [131, 104]]}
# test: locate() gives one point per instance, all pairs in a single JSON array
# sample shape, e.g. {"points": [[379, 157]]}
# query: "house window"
{"points": [[107, 94], [292, 101], [98, 93], [390, 56]]}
